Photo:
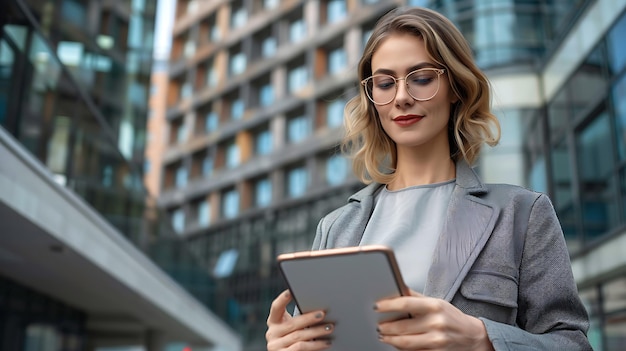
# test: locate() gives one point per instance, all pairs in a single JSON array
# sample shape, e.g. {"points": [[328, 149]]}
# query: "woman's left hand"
{"points": [[435, 324]]}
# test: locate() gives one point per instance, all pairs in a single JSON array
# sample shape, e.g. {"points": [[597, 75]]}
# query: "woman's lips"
{"points": [[408, 120]]}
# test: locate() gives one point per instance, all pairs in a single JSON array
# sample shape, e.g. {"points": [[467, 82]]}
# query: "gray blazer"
{"points": [[501, 257]]}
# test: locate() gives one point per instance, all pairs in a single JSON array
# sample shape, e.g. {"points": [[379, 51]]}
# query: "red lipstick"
{"points": [[407, 120]]}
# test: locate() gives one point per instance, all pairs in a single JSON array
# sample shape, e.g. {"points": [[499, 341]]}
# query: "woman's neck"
{"points": [[418, 169]]}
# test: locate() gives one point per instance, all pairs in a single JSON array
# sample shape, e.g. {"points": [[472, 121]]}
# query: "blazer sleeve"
{"points": [[551, 315]]}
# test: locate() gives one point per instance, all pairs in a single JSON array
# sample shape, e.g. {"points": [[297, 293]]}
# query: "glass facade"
{"points": [[74, 85], [585, 176], [509, 32]]}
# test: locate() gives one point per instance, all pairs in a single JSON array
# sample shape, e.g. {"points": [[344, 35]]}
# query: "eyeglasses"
{"points": [[421, 84]]}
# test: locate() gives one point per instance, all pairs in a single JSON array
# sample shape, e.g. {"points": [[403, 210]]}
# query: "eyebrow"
{"points": [[410, 69]]}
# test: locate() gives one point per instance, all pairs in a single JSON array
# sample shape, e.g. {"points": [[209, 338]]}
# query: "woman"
{"points": [[487, 264]]}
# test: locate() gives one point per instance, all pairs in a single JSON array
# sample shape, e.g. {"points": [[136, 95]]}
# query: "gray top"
{"points": [[409, 221]]}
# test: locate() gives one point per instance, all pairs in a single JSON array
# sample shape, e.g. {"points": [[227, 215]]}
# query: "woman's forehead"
{"points": [[401, 53]]}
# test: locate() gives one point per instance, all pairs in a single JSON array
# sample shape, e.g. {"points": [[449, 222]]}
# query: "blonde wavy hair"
{"points": [[471, 122]]}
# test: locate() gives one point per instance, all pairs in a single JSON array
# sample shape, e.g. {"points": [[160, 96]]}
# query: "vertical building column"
{"points": [[352, 44], [311, 16]]}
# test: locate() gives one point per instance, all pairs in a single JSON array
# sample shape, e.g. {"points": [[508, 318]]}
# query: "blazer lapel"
{"points": [[349, 228], [468, 225]]}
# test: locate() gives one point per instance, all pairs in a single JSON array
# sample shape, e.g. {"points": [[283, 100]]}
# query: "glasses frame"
{"points": [[439, 72]]}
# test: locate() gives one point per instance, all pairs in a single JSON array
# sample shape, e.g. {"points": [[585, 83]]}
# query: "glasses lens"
{"points": [[423, 84], [381, 88]]}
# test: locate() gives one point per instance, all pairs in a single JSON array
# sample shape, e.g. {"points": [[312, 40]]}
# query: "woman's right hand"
{"points": [[302, 332]]}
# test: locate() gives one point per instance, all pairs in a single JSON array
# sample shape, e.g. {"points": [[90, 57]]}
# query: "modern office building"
{"points": [[82, 264], [254, 112]]}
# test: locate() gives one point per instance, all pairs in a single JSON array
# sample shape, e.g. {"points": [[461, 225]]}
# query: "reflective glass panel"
{"points": [[562, 197], [336, 170], [616, 47], [230, 203], [298, 129], [232, 155], [334, 113], [595, 167], [263, 192], [619, 106], [297, 182], [337, 60]]}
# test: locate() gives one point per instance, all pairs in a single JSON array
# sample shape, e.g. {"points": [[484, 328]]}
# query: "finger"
{"points": [[417, 325], [313, 345], [293, 324], [316, 333], [414, 305], [316, 337], [278, 308]]}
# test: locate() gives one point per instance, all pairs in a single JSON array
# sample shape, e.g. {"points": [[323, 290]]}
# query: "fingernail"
{"points": [[375, 306], [287, 293], [380, 337], [328, 327], [378, 330], [319, 315]]}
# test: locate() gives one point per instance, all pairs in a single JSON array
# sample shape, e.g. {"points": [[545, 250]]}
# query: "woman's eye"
{"points": [[385, 84], [421, 80]]}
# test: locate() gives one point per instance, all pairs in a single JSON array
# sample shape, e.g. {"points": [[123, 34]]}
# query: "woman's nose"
{"points": [[402, 95]]}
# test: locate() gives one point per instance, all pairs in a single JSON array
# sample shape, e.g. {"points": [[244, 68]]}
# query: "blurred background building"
{"points": [[81, 267], [241, 157], [253, 116]]}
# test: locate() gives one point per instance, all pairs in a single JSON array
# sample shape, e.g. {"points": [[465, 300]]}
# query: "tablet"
{"points": [[346, 283]]}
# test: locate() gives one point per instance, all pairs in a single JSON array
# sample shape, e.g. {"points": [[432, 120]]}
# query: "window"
{"points": [[266, 95], [335, 10], [298, 78], [239, 15], [232, 155], [178, 220], [211, 76], [230, 204], [297, 182], [595, 168], [181, 176], [334, 113], [297, 30], [207, 165], [336, 170], [74, 12], [204, 213], [262, 192], [237, 109], [268, 47], [298, 128], [264, 43], [190, 48], [212, 122], [186, 90], [617, 49], [181, 132], [337, 60], [237, 63], [263, 142], [619, 103]]}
